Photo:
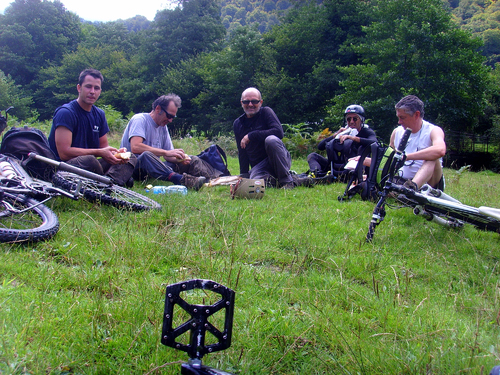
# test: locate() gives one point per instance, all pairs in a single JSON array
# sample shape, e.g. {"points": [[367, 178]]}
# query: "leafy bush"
{"points": [[115, 120]]}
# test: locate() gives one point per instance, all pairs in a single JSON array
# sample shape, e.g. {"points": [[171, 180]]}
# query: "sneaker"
{"points": [[192, 182]]}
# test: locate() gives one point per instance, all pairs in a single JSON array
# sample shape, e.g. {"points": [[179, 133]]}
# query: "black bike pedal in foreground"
{"points": [[201, 319]]}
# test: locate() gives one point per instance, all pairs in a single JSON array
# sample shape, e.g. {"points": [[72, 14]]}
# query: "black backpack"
{"points": [[19, 142], [376, 175]]}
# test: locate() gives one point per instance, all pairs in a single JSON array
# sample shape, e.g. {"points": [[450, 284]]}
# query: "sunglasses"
{"points": [[253, 101], [348, 119], [169, 116]]}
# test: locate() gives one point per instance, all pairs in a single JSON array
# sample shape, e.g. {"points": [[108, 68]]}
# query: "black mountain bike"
{"points": [[23, 215], [432, 204]]}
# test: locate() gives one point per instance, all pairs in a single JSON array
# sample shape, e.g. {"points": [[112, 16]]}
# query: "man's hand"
{"points": [[108, 154], [342, 138], [177, 156], [186, 160], [244, 141]]}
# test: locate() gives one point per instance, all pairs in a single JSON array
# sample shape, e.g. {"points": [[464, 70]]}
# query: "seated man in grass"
{"points": [[347, 142], [147, 136], [259, 134], [425, 147], [79, 133]]}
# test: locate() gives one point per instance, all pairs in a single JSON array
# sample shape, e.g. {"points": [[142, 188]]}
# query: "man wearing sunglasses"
{"points": [[349, 141], [79, 133], [261, 151], [147, 136]]}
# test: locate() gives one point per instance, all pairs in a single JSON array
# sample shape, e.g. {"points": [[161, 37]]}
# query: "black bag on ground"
{"points": [[216, 157], [376, 175], [19, 142]]}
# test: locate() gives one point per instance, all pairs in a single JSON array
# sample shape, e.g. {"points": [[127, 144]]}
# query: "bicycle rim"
{"points": [[112, 195], [37, 224]]}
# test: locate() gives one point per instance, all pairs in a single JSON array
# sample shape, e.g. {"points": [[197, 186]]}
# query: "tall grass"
{"points": [[311, 296]]}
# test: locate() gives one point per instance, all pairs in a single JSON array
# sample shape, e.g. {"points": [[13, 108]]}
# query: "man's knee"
{"points": [[87, 162], [146, 155], [272, 141]]}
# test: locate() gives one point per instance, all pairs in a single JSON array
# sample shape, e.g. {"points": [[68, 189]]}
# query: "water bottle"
{"points": [[6, 170], [172, 189]]}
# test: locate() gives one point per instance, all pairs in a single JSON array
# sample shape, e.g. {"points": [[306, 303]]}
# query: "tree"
{"points": [[123, 87], [308, 47], [192, 28], [211, 84], [413, 47], [13, 95], [36, 34]]}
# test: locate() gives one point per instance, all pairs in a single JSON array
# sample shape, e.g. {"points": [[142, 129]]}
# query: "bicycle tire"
{"points": [[113, 195], [37, 224]]}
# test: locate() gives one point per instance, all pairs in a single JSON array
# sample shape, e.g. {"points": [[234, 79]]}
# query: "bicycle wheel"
{"points": [[112, 195], [36, 224]]}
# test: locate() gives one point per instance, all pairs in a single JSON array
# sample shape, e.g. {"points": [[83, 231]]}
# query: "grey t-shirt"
{"points": [[142, 125]]}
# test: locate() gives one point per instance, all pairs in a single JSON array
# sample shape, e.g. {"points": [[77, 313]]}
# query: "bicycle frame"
{"points": [[23, 183], [432, 204], [62, 166]]}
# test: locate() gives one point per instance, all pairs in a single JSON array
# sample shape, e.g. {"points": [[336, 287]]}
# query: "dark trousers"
{"points": [[276, 165], [150, 166], [120, 173]]}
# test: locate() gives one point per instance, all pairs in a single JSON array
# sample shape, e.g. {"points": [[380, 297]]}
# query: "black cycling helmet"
{"points": [[357, 109]]}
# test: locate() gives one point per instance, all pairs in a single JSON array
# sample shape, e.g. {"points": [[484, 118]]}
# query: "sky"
{"points": [[108, 10]]}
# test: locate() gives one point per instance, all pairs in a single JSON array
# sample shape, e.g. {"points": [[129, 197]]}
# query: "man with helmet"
{"points": [[345, 143]]}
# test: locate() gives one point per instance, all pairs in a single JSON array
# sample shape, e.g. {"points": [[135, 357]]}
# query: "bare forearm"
{"points": [[430, 153], [73, 152]]}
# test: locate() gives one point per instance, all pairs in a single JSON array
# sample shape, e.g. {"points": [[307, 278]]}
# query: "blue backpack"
{"points": [[216, 157]]}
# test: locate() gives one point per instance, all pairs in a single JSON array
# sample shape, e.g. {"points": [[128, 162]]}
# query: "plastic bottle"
{"points": [[172, 189], [6, 170]]}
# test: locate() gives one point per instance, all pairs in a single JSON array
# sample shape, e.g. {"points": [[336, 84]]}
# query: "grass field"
{"points": [[311, 296]]}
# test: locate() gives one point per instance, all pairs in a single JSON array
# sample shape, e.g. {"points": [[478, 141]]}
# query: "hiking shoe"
{"points": [[289, 185], [192, 182], [303, 181], [410, 185]]}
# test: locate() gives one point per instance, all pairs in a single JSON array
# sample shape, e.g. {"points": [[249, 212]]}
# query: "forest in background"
{"points": [[310, 60]]}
